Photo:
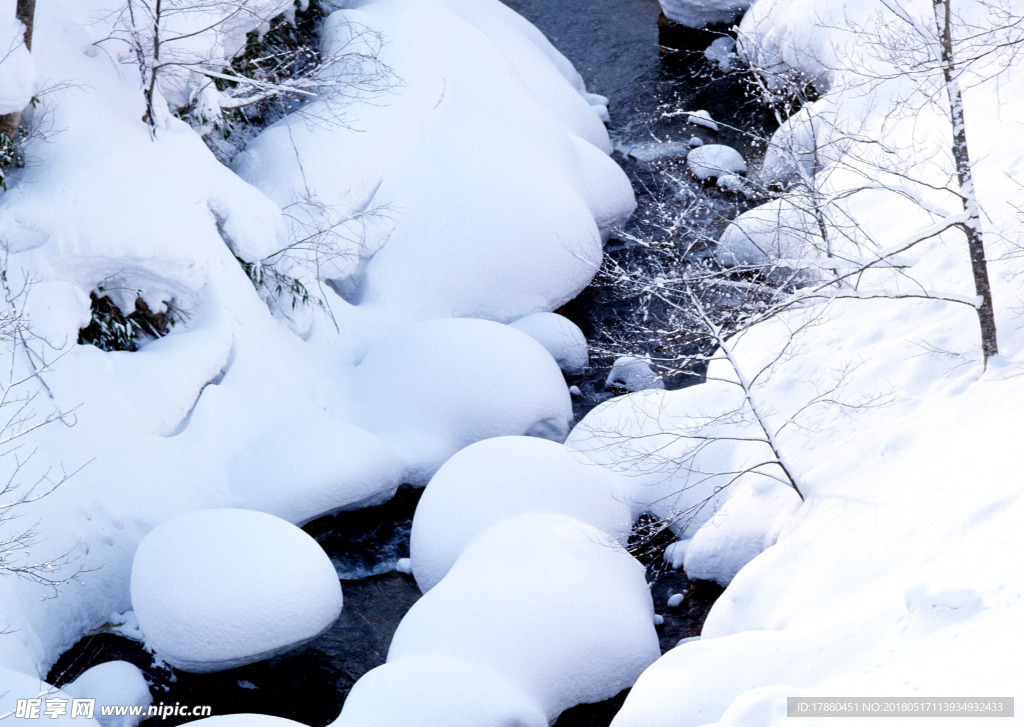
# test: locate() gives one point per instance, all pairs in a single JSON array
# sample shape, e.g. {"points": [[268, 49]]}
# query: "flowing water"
{"points": [[615, 46]]}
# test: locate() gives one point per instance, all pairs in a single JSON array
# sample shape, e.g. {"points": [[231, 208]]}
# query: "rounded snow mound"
{"points": [[216, 589], [700, 13], [633, 374], [497, 478], [436, 386], [433, 690], [112, 684], [778, 233], [562, 338], [553, 604], [711, 161]]}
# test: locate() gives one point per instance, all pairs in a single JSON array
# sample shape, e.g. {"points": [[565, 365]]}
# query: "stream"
{"points": [[615, 46]]}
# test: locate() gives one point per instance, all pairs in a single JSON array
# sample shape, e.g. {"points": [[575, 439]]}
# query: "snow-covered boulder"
{"points": [[113, 683], [553, 604], [477, 83], [497, 478], [702, 118], [792, 154], [678, 450], [216, 589], [722, 52], [700, 13], [435, 690], [711, 161], [633, 373], [561, 337], [497, 381], [777, 233], [747, 524]]}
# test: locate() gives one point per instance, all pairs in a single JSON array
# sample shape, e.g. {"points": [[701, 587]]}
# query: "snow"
{"points": [[562, 338], [245, 720], [893, 577], [702, 118], [713, 160], [482, 187], [575, 614], [432, 139], [497, 478], [21, 686], [216, 589], [674, 450], [699, 13], [633, 374], [779, 232], [722, 52], [112, 683], [17, 72], [433, 689], [483, 379], [747, 523]]}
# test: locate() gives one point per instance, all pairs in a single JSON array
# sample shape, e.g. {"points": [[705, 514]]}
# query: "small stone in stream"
{"points": [[675, 599], [658, 619], [404, 565], [696, 141], [575, 391]]}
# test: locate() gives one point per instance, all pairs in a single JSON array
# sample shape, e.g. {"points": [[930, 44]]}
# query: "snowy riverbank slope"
{"points": [[485, 166], [898, 575]]}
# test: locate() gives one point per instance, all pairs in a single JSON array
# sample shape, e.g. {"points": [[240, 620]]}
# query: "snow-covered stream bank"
{"points": [[890, 573]]}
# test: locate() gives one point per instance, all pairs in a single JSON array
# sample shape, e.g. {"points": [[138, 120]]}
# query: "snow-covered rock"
{"points": [[416, 154], [574, 615], [561, 337], [700, 13], [650, 151], [435, 387], [677, 450], [494, 479], [792, 154], [777, 233], [722, 52], [633, 373], [702, 118], [744, 526], [215, 589], [436, 690], [711, 161], [113, 683]]}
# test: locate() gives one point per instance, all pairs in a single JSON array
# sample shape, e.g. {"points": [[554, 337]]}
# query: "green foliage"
{"points": [[111, 330]]}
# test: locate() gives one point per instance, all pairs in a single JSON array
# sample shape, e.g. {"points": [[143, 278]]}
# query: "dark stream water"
{"points": [[615, 46]]}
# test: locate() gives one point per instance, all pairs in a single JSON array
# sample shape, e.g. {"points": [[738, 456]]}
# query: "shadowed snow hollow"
{"points": [[216, 589]]}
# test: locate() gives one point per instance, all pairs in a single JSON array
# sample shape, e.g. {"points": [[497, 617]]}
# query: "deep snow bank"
{"points": [[488, 162], [894, 577]]}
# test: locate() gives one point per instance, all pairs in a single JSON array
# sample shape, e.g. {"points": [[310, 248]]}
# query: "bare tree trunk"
{"points": [[965, 179]]}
